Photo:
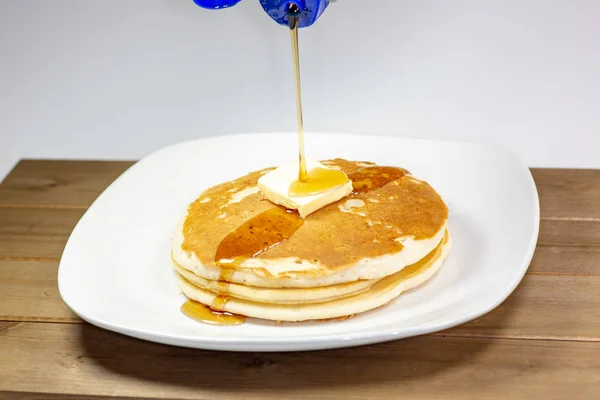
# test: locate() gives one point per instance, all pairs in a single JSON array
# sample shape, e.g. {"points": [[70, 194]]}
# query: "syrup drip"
{"points": [[260, 233], [218, 304], [257, 235]]}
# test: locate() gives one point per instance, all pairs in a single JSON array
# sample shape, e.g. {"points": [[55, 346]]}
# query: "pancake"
{"points": [[379, 294], [276, 295], [388, 223]]}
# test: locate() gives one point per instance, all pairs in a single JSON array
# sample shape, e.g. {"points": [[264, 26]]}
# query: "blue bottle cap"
{"points": [[216, 4]]}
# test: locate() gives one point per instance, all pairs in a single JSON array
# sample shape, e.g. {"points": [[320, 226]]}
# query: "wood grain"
{"points": [[81, 359], [543, 307], [569, 233], [4, 395], [35, 232], [29, 292], [5, 325], [566, 260], [58, 182], [568, 194]]}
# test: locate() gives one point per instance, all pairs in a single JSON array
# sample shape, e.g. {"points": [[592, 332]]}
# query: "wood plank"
{"points": [[568, 193], [4, 395], [82, 359], [559, 298], [29, 292], [59, 182], [36, 232], [543, 307], [569, 233], [566, 260]]}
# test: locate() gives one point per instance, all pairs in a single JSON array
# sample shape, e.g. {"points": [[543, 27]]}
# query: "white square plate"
{"points": [[115, 270]]}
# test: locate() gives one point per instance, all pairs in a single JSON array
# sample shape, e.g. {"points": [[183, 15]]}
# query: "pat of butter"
{"points": [[275, 185]]}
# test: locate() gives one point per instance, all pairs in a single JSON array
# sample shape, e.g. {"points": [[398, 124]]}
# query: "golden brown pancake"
{"points": [[236, 251]]}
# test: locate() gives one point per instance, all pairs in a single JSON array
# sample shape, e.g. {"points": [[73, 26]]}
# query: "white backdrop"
{"points": [[119, 78]]}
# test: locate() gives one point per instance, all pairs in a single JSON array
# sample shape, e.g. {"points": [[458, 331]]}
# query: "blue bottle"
{"points": [[311, 10]]}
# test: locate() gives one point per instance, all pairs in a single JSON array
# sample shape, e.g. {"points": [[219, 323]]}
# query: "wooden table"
{"points": [[541, 343]]}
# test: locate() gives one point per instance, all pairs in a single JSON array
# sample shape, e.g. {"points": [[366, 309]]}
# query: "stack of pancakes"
{"points": [[237, 252]]}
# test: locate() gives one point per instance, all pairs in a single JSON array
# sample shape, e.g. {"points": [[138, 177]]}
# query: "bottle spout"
{"points": [[306, 11], [293, 14]]}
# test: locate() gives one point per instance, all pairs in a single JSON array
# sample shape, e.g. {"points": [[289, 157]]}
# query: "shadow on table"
{"points": [[392, 362]]}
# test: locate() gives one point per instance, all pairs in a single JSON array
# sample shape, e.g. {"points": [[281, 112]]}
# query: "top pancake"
{"points": [[366, 235]]}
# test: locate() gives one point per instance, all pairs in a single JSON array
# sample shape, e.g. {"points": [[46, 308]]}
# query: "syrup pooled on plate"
{"points": [[207, 315]]}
